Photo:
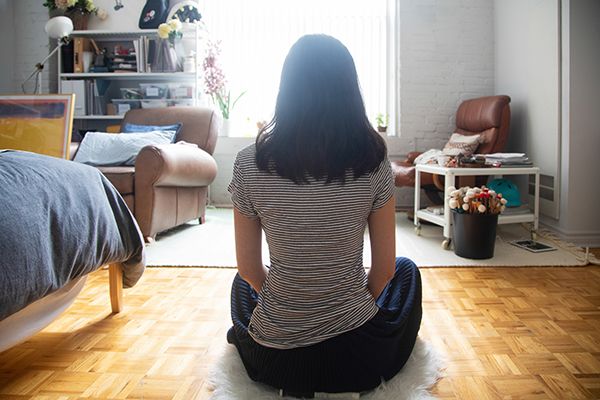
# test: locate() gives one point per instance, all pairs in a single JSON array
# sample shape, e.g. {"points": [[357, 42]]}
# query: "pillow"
{"points": [[462, 144], [429, 157], [112, 149], [132, 128]]}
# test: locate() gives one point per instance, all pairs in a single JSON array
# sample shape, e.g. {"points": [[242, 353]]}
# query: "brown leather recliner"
{"points": [[168, 185], [488, 116]]}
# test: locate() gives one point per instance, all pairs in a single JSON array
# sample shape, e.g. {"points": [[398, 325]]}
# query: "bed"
{"points": [[59, 221]]}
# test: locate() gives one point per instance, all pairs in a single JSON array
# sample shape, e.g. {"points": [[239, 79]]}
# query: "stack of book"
{"points": [[122, 63], [508, 160], [144, 49]]}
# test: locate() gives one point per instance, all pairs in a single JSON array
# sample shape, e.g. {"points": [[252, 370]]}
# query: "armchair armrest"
{"points": [[175, 165], [73, 147]]}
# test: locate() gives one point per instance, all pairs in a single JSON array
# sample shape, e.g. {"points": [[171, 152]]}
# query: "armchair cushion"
{"points": [[133, 128], [109, 149], [429, 157], [465, 144]]}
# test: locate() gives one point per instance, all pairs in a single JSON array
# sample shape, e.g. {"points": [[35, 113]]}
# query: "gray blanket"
{"points": [[59, 220]]}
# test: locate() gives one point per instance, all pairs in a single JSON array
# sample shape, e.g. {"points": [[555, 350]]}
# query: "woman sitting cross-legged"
{"points": [[318, 174]]}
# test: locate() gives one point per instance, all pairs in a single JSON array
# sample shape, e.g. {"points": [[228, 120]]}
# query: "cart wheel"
{"points": [[418, 230], [446, 244], [533, 235]]}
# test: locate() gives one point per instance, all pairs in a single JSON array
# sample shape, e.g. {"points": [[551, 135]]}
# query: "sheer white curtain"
{"points": [[256, 36]]}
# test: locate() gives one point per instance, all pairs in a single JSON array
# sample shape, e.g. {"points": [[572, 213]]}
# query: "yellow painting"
{"points": [[37, 123]]}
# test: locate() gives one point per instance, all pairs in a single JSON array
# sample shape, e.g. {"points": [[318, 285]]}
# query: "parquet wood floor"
{"points": [[507, 333]]}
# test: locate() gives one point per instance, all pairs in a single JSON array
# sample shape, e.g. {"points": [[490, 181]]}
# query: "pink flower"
{"points": [[62, 4]]}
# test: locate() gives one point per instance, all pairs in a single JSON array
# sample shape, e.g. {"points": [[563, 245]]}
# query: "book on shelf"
{"points": [[88, 100], [80, 45], [142, 47]]}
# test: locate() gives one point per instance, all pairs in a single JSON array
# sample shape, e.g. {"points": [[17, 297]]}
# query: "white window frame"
{"points": [[237, 23]]}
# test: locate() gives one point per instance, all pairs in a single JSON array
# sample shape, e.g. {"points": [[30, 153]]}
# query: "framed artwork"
{"points": [[39, 123]]}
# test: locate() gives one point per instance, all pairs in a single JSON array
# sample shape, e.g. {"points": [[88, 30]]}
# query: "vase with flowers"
{"points": [[214, 83], [168, 56], [77, 10]]}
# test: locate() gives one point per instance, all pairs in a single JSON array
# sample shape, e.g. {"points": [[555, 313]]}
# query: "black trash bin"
{"points": [[474, 234]]}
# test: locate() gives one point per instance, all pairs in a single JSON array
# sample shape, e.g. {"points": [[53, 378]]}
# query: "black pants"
{"points": [[354, 361]]}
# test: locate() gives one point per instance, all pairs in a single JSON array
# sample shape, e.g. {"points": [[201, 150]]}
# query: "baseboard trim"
{"points": [[578, 238]]}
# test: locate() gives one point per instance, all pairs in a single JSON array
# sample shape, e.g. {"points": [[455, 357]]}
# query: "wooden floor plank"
{"points": [[507, 333]]}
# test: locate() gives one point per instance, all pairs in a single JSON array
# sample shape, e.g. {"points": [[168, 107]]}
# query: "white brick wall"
{"points": [[446, 56], [31, 45]]}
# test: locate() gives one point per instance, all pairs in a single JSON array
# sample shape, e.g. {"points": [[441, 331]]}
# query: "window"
{"points": [[256, 36]]}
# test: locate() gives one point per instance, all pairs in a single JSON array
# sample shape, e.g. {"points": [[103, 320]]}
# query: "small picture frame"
{"points": [[532, 245]]}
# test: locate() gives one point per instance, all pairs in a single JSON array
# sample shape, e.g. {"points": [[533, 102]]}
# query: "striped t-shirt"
{"points": [[316, 287]]}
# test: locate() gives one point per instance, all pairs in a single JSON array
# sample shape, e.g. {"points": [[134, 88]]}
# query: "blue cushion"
{"points": [[132, 128]]}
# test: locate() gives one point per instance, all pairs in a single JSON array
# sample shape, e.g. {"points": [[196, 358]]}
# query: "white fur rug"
{"points": [[423, 369]]}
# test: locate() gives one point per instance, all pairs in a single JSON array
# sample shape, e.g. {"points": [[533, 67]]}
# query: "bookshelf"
{"points": [[108, 84]]}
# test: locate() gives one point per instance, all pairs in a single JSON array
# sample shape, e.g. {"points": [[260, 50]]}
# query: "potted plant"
{"points": [[382, 122], [214, 80], [77, 10]]}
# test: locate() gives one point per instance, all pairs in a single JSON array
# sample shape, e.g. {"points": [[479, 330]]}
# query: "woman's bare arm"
{"points": [[382, 233], [248, 249]]}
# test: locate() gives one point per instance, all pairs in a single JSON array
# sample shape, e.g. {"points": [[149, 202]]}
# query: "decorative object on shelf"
{"points": [[79, 15], [462, 161], [189, 63], [187, 12], [214, 81], [169, 55], [475, 220], [382, 122], [153, 14], [77, 10]]}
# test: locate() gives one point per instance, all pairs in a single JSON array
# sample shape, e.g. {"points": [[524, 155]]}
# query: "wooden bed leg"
{"points": [[115, 284]]}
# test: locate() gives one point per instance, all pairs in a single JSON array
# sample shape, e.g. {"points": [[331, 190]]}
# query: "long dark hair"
{"points": [[320, 128]]}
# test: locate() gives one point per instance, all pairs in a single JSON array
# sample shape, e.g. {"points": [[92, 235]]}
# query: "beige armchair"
{"points": [[168, 186]]}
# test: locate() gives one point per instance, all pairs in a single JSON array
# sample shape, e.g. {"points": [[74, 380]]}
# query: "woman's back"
{"points": [[316, 286]]}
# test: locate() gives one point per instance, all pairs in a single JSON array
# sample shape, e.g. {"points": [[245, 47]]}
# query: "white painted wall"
{"points": [[580, 130], [23, 24], [446, 56], [527, 66], [580, 219]]}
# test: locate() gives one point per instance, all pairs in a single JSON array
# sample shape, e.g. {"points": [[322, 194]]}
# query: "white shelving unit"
{"points": [[108, 39], [450, 175]]}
